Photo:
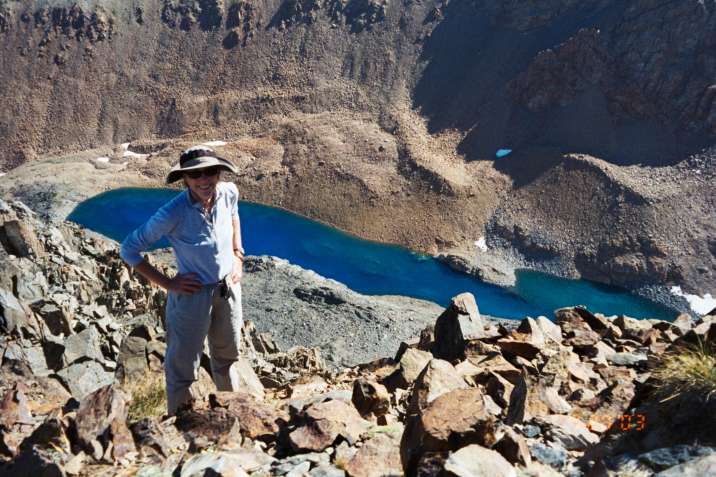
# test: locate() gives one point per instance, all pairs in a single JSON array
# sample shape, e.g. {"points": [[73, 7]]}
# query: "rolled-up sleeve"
{"points": [[160, 224], [234, 200]]}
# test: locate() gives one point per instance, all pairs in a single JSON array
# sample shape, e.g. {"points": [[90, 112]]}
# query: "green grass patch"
{"points": [[149, 398]]}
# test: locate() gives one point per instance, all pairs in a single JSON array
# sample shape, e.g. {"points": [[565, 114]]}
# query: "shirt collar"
{"points": [[196, 204]]}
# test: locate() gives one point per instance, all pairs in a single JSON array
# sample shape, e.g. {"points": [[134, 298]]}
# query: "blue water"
{"points": [[369, 267]]}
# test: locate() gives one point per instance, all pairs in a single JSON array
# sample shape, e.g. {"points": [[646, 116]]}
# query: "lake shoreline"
{"points": [[55, 201]]}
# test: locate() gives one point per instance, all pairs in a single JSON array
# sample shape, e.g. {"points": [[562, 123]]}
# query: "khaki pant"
{"points": [[189, 320]]}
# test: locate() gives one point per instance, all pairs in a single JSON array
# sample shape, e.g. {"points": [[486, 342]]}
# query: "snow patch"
{"points": [[214, 143], [502, 153], [2, 173], [102, 159], [481, 244], [700, 305], [134, 154]]}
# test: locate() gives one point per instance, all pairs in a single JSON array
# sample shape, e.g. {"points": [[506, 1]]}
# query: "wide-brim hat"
{"points": [[198, 157]]}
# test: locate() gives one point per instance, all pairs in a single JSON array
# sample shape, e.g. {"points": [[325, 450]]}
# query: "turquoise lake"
{"points": [[368, 267]]}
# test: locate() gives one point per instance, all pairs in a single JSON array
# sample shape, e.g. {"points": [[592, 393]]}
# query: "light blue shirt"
{"points": [[202, 245]]}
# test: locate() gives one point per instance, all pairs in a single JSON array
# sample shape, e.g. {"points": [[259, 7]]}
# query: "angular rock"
{"points": [[132, 360], [455, 419], [101, 418], [575, 330], [556, 403], [34, 462], [627, 359], [497, 364], [632, 328], [550, 330], [56, 319], [499, 389], [437, 378], [324, 422], [695, 468], [533, 332], [247, 378], [370, 397], [257, 420], [378, 456], [518, 345], [476, 461], [14, 409], [552, 455], [84, 378], [459, 323], [517, 411], [20, 239], [327, 470], [513, 447], [83, 346], [569, 432], [13, 314], [411, 365], [214, 464]]}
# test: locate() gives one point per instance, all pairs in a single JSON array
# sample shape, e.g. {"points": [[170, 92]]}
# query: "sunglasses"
{"points": [[208, 172]]}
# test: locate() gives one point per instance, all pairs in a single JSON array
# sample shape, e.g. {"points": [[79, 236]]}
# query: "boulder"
{"points": [[411, 365], [437, 378], [256, 419], [83, 378], [324, 422], [248, 381], [459, 323], [56, 319], [378, 456], [101, 420], [575, 330], [499, 389], [83, 346], [476, 461], [632, 328], [556, 403], [454, 420]]}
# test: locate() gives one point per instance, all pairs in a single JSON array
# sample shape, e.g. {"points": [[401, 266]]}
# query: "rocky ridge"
{"points": [[467, 396]]}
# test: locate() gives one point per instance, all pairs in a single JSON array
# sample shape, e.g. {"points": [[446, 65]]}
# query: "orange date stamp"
{"points": [[623, 423]]}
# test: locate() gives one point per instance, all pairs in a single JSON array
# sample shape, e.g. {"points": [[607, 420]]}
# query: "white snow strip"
{"points": [[134, 154], [102, 159], [125, 146], [481, 244], [502, 153], [214, 143], [2, 173], [700, 305]]}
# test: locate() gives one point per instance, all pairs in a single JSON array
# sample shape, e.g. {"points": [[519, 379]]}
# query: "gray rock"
{"points": [[477, 461], [696, 468], [12, 314], [132, 359], [569, 432], [218, 464], [327, 470], [56, 319], [82, 346], [627, 359], [552, 455], [84, 378], [664, 458]]}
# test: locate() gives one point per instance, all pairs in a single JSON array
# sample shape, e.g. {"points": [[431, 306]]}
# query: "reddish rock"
{"points": [[324, 422], [377, 457], [370, 397], [101, 419], [453, 420], [256, 419], [438, 378]]}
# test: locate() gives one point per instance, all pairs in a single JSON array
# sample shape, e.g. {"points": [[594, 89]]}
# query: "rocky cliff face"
{"points": [[627, 82]]}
